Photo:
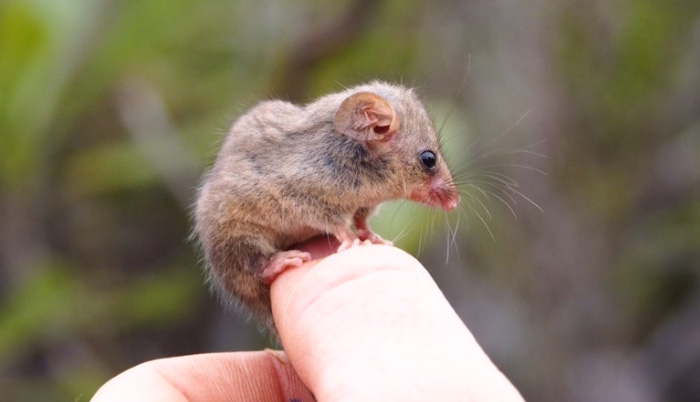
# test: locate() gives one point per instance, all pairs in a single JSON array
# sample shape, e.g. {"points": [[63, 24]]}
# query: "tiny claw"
{"points": [[348, 243], [384, 242], [372, 237]]}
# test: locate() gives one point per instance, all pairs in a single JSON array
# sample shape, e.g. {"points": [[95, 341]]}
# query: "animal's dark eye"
{"points": [[427, 158]]}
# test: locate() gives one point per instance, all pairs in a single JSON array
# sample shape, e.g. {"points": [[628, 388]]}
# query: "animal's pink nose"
{"points": [[451, 203]]}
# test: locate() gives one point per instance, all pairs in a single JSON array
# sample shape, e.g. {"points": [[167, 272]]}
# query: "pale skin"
{"points": [[365, 324]]}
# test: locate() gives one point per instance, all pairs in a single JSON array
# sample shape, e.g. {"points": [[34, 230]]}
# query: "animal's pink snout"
{"points": [[437, 193], [450, 203], [445, 192]]}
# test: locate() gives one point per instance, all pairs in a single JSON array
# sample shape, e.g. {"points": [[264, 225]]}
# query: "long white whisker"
{"points": [[420, 241], [501, 200], [534, 144], [454, 238], [498, 177], [524, 151], [452, 242], [478, 201], [500, 187], [494, 139], [512, 127], [448, 235], [518, 166], [528, 199], [488, 229]]}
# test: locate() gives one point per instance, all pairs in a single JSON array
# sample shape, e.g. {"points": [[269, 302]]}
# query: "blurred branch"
{"points": [[672, 354], [673, 174], [143, 112], [22, 242], [322, 42]]}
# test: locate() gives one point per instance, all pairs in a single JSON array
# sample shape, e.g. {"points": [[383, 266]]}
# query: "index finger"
{"points": [[369, 323]]}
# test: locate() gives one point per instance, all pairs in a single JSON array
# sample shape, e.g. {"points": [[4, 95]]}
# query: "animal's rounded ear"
{"points": [[365, 116]]}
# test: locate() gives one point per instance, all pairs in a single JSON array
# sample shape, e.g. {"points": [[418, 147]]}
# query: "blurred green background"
{"points": [[110, 111]]}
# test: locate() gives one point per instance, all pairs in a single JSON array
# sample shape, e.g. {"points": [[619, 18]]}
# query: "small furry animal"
{"points": [[287, 173]]}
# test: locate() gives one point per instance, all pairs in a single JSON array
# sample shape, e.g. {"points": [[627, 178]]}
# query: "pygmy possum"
{"points": [[287, 173]]}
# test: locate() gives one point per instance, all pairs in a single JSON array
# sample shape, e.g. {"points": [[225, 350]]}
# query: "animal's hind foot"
{"points": [[281, 261]]}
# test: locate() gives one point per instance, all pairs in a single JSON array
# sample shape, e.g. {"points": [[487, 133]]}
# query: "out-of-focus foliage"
{"points": [[590, 111]]}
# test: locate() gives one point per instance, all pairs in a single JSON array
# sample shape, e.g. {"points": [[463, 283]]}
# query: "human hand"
{"points": [[368, 323]]}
